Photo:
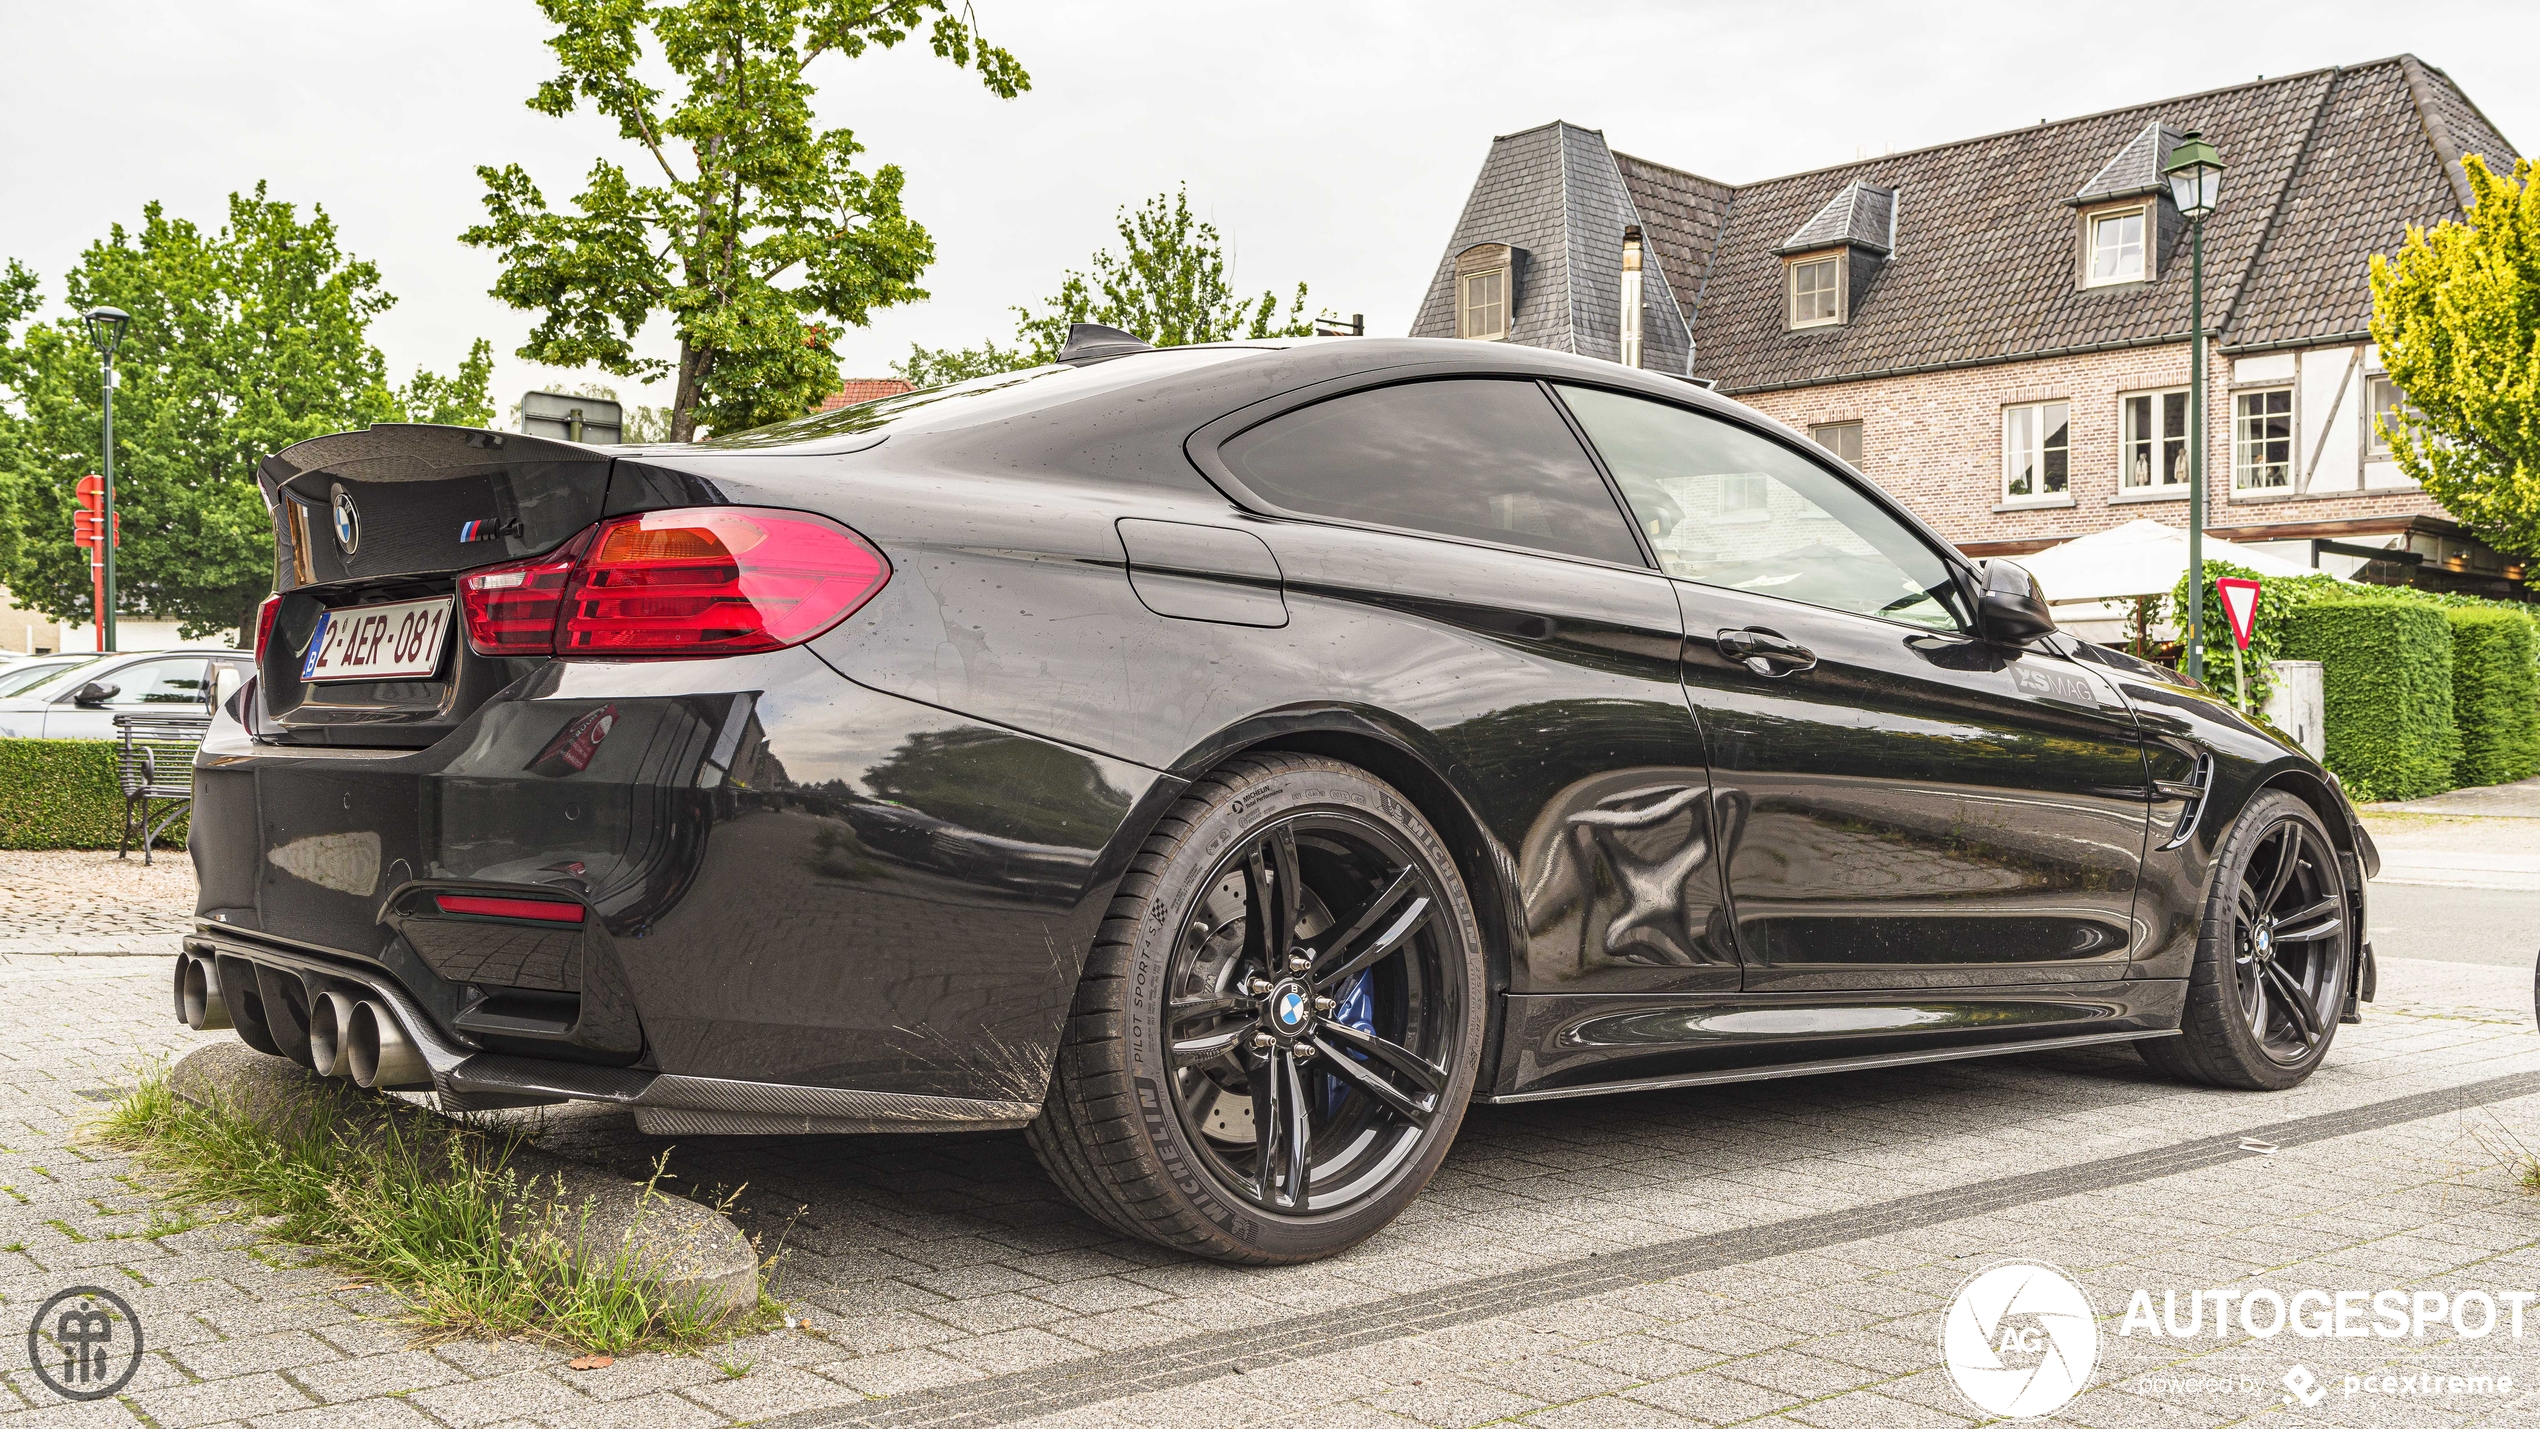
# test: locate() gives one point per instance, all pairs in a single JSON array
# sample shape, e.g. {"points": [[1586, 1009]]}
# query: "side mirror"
{"points": [[93, 694], [2010, 605]]}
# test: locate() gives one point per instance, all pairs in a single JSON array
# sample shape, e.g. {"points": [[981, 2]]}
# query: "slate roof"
{"points": [[1859, 213], [2323, 169], [2134, 169], [1557, 195]]}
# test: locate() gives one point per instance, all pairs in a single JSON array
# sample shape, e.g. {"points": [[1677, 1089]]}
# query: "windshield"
{"points": [[982, 399], [23, 680]]}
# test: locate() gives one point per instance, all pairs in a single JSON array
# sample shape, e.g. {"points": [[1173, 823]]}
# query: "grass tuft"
{"points": [[432, 1211]]}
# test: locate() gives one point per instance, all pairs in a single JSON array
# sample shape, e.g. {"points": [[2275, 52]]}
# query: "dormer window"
{"points": [[1816, 290], [1828, 263], [1484, 291], [2116, 252], [2128, 223]]}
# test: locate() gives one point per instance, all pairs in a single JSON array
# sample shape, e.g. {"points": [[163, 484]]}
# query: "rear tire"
{"points": [[1290, 913], [2273, 957]]}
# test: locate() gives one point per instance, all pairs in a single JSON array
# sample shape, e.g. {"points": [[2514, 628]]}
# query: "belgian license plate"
{"points": [[379, 642]]}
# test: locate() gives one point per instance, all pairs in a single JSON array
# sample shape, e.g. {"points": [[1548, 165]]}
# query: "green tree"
{"points": [[753, 241], [1166, 284], [243, 341], [2457, 314]]}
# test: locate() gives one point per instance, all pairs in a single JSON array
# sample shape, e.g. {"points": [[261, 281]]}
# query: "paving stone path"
{"points": [[1781, 1252]]}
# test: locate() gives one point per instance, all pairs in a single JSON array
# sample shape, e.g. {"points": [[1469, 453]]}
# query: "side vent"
{"points": [[2193, 792]]}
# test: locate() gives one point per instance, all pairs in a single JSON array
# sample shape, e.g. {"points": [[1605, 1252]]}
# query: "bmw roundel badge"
{"points": [[1291, 1009], [348, 521]]}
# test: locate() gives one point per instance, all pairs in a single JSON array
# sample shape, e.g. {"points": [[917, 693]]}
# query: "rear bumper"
{"points": [[467, 1079], [799, 899]]}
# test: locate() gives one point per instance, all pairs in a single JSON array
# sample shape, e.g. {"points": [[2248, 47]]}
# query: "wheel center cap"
{"points": [[2266, 942], [1290, 1008]]}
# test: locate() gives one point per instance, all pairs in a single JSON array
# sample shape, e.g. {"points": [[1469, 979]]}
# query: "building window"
{"points": [[1484, 292], [1486, 305], [2153, 449], [2116, 248], [1841, 438], [2384, 406], [1816, 292], [2262, 440], [2036, 451], [1745, 494]]}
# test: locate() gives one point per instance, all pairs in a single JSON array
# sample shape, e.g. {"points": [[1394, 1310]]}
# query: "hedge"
{"points": [[2495, 695], [2387, 676], [61, 793]]}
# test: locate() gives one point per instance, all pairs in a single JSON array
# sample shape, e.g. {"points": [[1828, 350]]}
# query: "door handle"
{"points": [[1766, 653]]}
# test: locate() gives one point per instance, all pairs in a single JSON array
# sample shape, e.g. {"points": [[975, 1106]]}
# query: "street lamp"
{"points": [[2195, 175], [105, 329]]}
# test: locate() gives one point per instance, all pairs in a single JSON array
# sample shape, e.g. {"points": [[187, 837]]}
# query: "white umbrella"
{"points": [[2140, 558]]}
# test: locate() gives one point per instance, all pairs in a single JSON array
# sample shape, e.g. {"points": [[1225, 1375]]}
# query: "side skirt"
{"points": [[1832, 1064]]}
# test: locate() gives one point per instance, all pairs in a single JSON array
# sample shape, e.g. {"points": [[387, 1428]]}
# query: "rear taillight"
{"points": [[264, 624], [704, 580], [715, 580], [511, 609]]}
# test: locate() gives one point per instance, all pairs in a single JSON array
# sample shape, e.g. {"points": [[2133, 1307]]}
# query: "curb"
{"points": [[695, 1254]]}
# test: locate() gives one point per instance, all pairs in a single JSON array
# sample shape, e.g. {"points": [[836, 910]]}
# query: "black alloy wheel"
{"points": [[1310, 1051], [2288, 956], [1277, 1034], [2277, 947]]}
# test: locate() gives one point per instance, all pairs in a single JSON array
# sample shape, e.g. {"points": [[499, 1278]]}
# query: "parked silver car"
{"points": [[81, 701], [25, 672]]}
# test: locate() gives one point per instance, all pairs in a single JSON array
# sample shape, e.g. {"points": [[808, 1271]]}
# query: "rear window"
{"points": [[1480, 459]]}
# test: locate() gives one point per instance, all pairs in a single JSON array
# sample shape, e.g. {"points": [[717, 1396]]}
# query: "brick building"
{"points": [[1997, 329]]}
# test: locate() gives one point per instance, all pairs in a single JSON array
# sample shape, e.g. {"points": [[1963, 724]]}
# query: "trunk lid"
{"points": [[394, 514]]}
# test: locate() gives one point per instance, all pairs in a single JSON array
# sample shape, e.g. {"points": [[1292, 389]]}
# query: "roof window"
{"points": [[1485, 291]]}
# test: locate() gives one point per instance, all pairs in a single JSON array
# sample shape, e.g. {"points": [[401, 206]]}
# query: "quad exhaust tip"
{"points": [[380, 1055], [198, 1001], [330, 1018], [360, 1039]]}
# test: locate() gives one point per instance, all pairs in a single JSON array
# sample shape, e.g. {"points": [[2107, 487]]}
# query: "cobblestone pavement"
{"points": [[81, 902], [1779, 1252]]}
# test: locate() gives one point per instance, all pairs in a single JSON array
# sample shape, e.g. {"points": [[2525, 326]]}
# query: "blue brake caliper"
{"points": [[1356, 1006]]}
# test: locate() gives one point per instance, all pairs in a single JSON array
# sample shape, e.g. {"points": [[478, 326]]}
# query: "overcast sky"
{"points": [[1330, 142]]}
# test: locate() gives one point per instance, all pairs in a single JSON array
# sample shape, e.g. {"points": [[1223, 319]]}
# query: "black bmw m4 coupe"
{"points": [[1225, 763]]}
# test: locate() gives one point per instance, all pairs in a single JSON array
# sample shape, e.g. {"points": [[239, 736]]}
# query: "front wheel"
{"points": [[1279, 1025], [2271, 965]]}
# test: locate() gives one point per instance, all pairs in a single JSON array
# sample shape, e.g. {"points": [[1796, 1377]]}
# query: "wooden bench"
{"points": [[154, 761]]}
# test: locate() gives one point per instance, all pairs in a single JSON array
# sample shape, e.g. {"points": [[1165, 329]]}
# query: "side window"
{"points": [[1726, 507], [1484, 460], [160, 685]]}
